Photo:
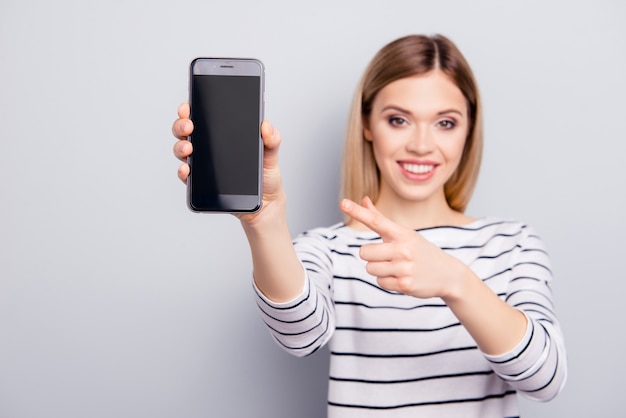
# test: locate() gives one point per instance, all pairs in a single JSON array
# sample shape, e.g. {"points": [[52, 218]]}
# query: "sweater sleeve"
{"points": [[537, 366], [303, 325]]}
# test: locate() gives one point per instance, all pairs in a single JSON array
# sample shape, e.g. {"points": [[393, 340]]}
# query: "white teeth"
{"points": [[418, 168]]}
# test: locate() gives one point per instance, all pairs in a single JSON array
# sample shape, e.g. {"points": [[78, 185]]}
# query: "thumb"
{"points": [[271, 143]]}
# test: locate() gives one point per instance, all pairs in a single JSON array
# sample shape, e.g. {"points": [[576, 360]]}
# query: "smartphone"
{"points": [[226, 98]]}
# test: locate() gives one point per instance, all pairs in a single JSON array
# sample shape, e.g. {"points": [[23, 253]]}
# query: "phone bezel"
{"points": [[229, 203]]}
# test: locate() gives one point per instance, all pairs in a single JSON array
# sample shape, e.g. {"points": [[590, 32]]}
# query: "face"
{"points": [[418, 127]]}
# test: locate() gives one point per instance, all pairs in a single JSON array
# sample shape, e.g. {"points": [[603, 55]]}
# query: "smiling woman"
{"points": [[426, 311], [417, 127], [409, 57]]}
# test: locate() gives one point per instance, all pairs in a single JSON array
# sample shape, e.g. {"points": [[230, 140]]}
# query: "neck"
{"points": [[422, 213]]}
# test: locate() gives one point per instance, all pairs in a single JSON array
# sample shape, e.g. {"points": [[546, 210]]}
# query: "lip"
{"points": [[420, 170]]}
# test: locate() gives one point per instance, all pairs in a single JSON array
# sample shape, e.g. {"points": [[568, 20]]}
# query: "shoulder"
{"points": [[335, 236], [338, 232], [481, 231], [507, 233]]}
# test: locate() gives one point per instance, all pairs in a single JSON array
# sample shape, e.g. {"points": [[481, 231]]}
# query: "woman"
{"points": [[427, 311]]}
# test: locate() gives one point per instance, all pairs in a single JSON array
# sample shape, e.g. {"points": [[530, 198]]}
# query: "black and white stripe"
{"points": [[397, 356]]}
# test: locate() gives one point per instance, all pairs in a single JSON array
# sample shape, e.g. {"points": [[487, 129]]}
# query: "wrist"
{"points": [[270, 216], [461, 281]]}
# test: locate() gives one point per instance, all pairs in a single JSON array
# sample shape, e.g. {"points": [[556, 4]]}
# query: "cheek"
{"points": [[378, 153], [453, 148], [380, 143], [385, 150], [386, 140]]}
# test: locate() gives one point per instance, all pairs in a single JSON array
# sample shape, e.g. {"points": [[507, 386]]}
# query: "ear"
{"points": [[367, 133]]}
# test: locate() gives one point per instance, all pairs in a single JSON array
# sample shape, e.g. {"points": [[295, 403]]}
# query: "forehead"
{"points": [[433, 91]]}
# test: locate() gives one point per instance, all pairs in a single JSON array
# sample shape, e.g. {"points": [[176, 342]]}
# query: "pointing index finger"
{"points": [[369, 216]]}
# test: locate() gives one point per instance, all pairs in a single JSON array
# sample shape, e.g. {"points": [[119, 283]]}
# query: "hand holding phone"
{"points": [[226, 107]]}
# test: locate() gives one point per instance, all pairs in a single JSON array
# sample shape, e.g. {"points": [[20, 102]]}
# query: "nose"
{"points": [[422, 141]]}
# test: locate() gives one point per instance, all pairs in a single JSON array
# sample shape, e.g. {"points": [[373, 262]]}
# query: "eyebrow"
{"points": [[444, 112], [405, 111]]}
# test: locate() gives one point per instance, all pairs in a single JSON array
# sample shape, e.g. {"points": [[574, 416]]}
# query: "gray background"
{"points": [[116, 301]]}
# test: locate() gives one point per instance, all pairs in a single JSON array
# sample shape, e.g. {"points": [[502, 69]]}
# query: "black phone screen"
{"points": [[225, 162]]}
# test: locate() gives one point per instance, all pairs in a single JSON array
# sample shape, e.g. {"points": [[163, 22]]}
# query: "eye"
{"points": [[397, 121], [446, 124]]}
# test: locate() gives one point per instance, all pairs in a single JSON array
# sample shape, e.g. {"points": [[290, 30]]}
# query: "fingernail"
{"points": [[347, 205]]}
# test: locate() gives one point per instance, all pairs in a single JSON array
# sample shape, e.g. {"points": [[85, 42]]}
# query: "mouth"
{"points": [[417, 168]]}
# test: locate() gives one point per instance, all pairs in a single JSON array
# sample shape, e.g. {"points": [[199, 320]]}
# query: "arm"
{"points": [[298, 313], [278, 273], [294, 306], [277, 270], [407, 263], [537, 366], [306, 323], [495, 326], [519, 336]]}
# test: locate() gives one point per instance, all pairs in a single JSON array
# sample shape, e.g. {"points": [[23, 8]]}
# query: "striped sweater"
{"points": [[394, 355]]}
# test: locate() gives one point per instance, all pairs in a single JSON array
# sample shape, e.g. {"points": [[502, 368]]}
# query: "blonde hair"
{"points": [[405, 57]]}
